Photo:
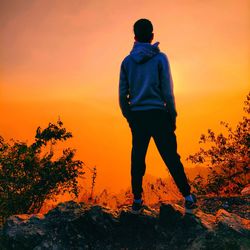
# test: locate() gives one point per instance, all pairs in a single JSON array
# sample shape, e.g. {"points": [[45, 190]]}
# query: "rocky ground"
{"points": [[219, 223]]}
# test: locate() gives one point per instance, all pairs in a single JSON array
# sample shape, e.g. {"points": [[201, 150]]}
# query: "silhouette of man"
{"points": [[146, 99]]}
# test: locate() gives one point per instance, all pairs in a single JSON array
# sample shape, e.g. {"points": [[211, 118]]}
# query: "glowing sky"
{"points": [[62, 58]]}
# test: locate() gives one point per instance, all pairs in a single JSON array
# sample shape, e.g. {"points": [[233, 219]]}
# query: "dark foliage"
{"points": [[227, 156], [27, 177]]}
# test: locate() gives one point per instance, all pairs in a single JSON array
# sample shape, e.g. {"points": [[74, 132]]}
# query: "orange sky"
{"points": [[63, 58]]}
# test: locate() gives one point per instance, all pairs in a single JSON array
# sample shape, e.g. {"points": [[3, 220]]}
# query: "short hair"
{"points": [[143, 29]]}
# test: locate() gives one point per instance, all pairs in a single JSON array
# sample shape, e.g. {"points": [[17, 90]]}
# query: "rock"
{"points": [[73, 225], [207, 220], [169, 216], [133, 228], [225, 231], [98, 223], [218, 240], [233, 221], [24, 231], [245, 190]]}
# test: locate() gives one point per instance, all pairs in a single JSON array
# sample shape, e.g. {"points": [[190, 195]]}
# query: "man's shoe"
{"points": [[137, 207], [190, 204]]}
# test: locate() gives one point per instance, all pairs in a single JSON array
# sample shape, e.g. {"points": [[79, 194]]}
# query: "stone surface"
{"points": [[246, 190], [73, 225]]}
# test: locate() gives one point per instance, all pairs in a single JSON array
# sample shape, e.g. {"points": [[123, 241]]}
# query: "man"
{"points": [[147, 101]]}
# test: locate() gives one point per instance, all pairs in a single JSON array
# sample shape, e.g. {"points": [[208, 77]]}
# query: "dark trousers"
{"points": [[155, 123]]}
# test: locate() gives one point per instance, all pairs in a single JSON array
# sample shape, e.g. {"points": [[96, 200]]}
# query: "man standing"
{"points": [[147, 101]]}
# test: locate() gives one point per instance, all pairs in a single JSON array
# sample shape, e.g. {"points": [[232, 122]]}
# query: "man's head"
{"points": [[143, 30]]}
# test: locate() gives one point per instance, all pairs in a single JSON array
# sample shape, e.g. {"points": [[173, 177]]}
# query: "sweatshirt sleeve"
{"points": [[166, 83], [123, 91]]}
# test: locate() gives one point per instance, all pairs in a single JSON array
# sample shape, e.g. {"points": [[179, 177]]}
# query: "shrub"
{"points": [[27, 177], [227, 156]]}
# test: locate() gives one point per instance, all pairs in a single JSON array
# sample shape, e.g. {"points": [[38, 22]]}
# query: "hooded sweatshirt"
{"points": [[145, 80]]}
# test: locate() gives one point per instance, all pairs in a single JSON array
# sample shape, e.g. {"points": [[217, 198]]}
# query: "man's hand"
{"points": [[127, 115], [172, 117], [173, 121]]}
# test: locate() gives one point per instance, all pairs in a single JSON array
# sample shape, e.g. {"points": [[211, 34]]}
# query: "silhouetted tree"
{"points": [[227, 156], [27, 178]]}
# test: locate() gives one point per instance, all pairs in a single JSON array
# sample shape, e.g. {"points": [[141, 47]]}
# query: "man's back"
{"points": [[146, 77]]}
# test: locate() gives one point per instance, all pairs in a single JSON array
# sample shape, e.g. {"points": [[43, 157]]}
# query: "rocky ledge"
{"points": [[73, 225]]}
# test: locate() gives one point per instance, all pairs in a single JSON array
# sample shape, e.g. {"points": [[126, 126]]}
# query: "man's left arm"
{"points": [[124, 92]]}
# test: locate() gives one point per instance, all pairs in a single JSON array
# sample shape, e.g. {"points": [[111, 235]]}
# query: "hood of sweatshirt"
{"points": [[142, 52]]}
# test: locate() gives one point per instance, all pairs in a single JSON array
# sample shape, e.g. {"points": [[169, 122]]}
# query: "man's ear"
{"points": [[152, 36]]}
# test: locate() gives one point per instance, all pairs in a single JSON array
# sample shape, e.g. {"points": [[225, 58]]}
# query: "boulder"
{"points": [[72, 225], [245, 190]]}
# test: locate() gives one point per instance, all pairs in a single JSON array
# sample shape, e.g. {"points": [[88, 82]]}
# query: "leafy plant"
{"points": [[27, 177], [227, 156]]}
